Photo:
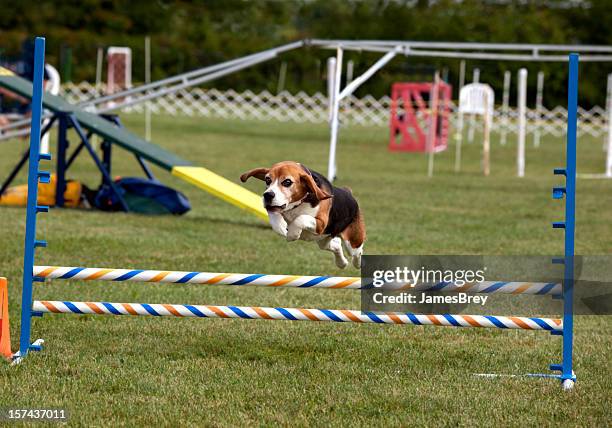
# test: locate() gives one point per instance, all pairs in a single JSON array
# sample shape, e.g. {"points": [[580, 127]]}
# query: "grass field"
{"points": [[138, 371]]}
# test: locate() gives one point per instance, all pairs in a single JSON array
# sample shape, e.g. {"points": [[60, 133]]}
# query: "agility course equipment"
{"points": [[300, 281], [119, 60], [32, 273], [5, 333], [476, 99], [294, 314], [412, 118], [389, 49], [86, 124], [480, 51]]}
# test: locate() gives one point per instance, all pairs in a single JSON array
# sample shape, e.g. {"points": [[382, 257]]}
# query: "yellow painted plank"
{"points": [[222, 188], [6, 72]]}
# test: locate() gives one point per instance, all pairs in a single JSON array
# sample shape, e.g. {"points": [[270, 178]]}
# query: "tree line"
{"points": [[186, 35]]}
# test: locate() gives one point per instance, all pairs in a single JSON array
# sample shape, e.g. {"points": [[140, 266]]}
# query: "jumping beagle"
{"points": [[303, 204]]}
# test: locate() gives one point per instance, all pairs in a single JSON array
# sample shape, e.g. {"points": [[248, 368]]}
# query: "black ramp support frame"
{"points": [[107, 178]]}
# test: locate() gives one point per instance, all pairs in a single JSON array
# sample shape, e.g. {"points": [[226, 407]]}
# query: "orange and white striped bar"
{"points": [[300, 281], [294, 314]]}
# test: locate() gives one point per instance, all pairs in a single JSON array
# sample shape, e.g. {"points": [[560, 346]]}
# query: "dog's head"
{"points": [[287, 185]]}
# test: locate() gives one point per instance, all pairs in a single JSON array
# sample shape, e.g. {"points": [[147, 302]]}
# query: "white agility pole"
{"points": [[147, 70], [99, 63], [458, 140], [505, 108], [522, 110], [282, 77], [53, 87], [350, 69], [459, 132], [331, 73], [538, 108], [331, 165], [609, 151], [471, 129], [461, 76], [486, 143], [99, 60], [433, 116]]}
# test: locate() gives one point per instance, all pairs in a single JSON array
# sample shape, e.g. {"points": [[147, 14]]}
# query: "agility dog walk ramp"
{"points": [[96, 124]]}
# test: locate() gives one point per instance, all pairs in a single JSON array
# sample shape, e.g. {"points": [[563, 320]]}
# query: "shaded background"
{"points": [[190, 34]]}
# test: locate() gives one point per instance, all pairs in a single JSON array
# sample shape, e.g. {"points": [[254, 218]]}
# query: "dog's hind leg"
{"points": [[353, 238], [335, 246], [354, 253]]}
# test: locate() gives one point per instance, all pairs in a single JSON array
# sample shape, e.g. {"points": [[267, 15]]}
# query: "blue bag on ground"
{"points": [[142, 196]]}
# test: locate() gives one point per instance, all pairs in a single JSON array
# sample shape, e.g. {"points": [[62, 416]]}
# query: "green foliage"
{"points": [[190, 34]]}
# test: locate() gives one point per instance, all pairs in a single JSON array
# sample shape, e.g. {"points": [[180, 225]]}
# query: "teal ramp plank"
{"points": [[96, 124]]}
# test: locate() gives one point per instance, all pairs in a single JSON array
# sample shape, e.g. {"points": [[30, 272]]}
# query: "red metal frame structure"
{"points": [[411, 116]]}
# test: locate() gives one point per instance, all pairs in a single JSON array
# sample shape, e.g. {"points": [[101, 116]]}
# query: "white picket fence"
{"points": [[304, 108]]}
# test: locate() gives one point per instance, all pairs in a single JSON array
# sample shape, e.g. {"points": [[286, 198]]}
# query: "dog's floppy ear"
{"points": [[257, 173], [309, 182]]}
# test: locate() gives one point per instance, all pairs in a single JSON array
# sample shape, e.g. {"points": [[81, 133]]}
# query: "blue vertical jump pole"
{"points": [[34, 176], [567, 376]]}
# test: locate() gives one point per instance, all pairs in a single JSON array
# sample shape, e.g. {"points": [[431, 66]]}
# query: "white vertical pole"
{"points": [[522, 107], [282, 76], [52, 86], [433, 125], [458, 141], [459, 133], [486, 145], [350, 66], [331, 166], [147, 80], [608, 105], [505, 106], [538, 108], [44, 141], [99, 59], [99, 92], [609, 155], [461, 75], [331, 75], [471, 129]]}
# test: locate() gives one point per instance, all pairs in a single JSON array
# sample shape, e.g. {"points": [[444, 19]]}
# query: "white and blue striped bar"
{"points": [[300, 281], [296, 314]]}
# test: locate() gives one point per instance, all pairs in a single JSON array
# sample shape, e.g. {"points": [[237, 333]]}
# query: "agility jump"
{"points": [[32, 273], [298, 281]]}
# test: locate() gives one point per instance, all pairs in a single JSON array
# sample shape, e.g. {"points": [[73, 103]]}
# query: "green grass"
{"points": [[135, 371]]}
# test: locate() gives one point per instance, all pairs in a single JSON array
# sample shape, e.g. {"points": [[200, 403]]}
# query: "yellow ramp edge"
{"points": [[222, 188]]}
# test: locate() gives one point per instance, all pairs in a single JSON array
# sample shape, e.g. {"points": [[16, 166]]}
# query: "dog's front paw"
{"points": [[341, 262], [293, 234]]}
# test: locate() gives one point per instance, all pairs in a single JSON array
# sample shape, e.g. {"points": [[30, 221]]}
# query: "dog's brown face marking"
{"points": [[287, 184]]}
